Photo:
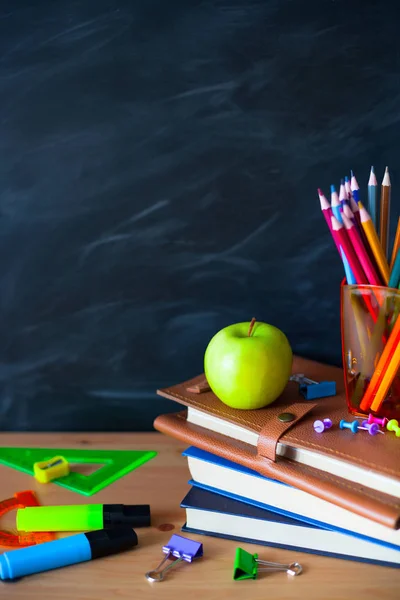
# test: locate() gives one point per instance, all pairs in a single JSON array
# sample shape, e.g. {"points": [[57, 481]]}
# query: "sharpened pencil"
{"points": [[335, 204], [385, 213], [343, 240], [374, 243], [388, 351], [373, 199], [396, 245], [359, 248]]}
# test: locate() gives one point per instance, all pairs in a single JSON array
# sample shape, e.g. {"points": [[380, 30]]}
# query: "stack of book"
{"points": [[258, 480]]}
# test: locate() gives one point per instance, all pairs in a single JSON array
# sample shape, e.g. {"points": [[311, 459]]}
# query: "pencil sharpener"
{"points": [[53, 468], [312, 390]]}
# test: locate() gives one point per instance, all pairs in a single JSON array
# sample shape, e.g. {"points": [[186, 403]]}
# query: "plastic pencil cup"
{"points": [[370, 328]]}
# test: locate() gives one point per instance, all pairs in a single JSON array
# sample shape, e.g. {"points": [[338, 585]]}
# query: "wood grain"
{"points": [[162, 483]]}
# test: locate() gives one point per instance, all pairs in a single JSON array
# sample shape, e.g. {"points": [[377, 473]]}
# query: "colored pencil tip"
{"points": [[346, 178], [372, 169], [320, 193], [351, 173], [342, 182], [386, 177], [333, 189]]}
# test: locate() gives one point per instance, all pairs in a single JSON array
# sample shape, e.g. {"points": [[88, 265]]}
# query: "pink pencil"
{"points": [[360, 251], [327, 212], [339, 231]]}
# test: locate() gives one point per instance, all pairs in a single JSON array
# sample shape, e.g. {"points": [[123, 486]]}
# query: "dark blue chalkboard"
{"points": [[158, 172]]}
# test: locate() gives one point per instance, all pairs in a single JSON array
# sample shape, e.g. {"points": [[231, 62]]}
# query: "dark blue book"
{"points": [[212, 514], [229, 479]]}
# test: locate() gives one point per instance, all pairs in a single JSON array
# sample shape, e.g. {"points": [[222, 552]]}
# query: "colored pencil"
{"points": [[388, 376], [396, 245], [374, 243], [347, 187], [347, 212], [385, 213], [342, 193], [355, 239], [355, 190], [380, 369], [335, 204], [326, 211], [395, 273], [351, 280], [340, 232], [373, 199]]}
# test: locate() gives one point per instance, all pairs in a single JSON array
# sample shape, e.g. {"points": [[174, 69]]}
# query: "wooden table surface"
{"points": [[162, 483]]}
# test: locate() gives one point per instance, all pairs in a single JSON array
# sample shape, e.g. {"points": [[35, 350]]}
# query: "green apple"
{"points": [[247, 365]]}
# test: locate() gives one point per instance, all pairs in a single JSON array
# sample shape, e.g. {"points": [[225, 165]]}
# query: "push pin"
{"points": [[320, 426], [372, 428], [369, 425], [246, 566], [382, 422], [312, 390], [393, 425], [182, 549]]}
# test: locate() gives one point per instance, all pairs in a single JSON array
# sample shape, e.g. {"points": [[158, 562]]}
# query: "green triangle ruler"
{"points": [[116, 464]]}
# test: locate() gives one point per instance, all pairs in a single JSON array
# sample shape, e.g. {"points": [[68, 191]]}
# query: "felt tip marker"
{"points": [[68, 551], [85, 517]]}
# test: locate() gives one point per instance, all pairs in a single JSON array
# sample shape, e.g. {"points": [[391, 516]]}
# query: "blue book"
{"points": [[208, 513], [231, 480]]}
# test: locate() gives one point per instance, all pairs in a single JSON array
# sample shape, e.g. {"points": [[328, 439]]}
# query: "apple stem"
{"points": [[251, 326]]}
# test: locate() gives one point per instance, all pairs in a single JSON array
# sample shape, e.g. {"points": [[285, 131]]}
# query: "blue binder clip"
{"points": [[312, 390], [180, 549]]}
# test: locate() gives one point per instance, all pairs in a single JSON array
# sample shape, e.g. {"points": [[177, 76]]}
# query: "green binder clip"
{"points": [[246, 566]]}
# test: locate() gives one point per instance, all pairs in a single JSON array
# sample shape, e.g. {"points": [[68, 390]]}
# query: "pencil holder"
{"points": [[370, 326]]}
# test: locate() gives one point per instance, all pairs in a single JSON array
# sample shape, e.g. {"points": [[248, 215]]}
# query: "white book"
{"points": [[340, 468], [229, 479], [210, 514]]}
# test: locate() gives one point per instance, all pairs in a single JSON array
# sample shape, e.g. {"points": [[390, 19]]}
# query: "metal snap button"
{"points": [[286, 417]]}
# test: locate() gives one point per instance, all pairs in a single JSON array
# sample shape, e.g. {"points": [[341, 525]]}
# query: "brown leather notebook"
{"points": [[358, 472]]}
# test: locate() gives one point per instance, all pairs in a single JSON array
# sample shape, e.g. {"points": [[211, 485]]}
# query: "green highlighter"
{"points": [[85, 517]]}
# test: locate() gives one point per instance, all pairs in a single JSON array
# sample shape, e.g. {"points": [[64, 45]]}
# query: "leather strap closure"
{"points": [[281, 421]]}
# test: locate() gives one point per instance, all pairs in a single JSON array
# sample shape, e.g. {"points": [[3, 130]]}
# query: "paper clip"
{"points": [[182, 549], [312, 390], [246, 566]]}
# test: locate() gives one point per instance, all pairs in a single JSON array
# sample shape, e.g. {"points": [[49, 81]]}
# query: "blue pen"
{"points": [[67, 551]]}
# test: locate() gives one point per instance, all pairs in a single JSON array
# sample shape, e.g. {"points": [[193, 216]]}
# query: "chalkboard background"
{"points": [[158, 173]]}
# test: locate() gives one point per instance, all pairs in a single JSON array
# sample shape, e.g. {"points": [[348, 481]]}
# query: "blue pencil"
{"points": [[335, 204], [374, 200], [351, 280], [395, 273]]}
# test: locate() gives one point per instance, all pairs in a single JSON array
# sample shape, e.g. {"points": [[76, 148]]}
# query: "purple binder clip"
{"points": [[180, 548]]}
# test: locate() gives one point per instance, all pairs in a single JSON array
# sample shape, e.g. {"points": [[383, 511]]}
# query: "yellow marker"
{"points": [[51, 469], [374, 243]]}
